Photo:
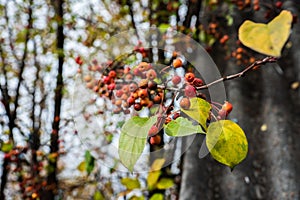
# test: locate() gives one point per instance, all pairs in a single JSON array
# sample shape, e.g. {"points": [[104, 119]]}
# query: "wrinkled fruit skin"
{"points": [[185, 103], [190, 91], [176, 80]]}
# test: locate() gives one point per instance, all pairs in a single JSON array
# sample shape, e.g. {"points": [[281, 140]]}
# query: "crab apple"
{"points": [[106, 80], [153, 131], [197, 82], [176, 80], [189, 77], [124, 97], [177, 63], [119, 93], [143, 66], [190, 91], [128, 77], [78, 60], [111, 86], [143, 83], [89, 85], [135, 95], [278, 4], [227, 107], [138, 106], [143, 93], [137, 72], [87, 78], [155, 140], [151, 74], [118, 102], [125, 89], [145, 102], [112, 74], [152, 85], [185, 103], [157, 99], [133, 87], [130, 101]]}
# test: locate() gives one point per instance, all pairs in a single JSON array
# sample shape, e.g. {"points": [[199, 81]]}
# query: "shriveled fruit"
{"points": [[185, 103], [190, 91], [176, 80]]}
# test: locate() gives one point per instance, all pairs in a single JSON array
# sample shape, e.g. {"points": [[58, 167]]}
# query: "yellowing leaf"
{"points": [[152, 179], [130, 183], [133, 139], [199, 111], [157, 164], [268, 38], [98, 196], [81, 166], [157, 196], [164, 183], [182, 127], [226, 142]]}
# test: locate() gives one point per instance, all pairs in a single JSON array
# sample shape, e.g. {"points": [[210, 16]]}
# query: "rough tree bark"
{"points": [[270, 169]]}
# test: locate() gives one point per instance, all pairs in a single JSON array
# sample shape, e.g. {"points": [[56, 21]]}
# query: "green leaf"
{"points": [[182, 127], [130, 183], [164, 27], [98, 196], [157, 196], [227, 142], [164, 183], [81, 167], [89, 162], [268, 38], [7, 146], [199, 111], [133, 139]]}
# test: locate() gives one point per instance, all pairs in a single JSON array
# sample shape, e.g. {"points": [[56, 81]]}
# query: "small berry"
{"points": [[133, 87], [124, 97], [130, 101], [119, 93], [125, 89], [128, 77], [155, 140], [151, 74], [111, 86], [189, 77], [227, 107], [222, 114], [138, 107], [145, 102], [197, 82], [143, 83], [176, 80], [157, 99], [143, 66], [118, 102], [278, 4], [190, 91], [177, 63], [87, 78], [112, 74], [152, 85], [106, 80], [185, 103], [153, 131], [143, 93]]}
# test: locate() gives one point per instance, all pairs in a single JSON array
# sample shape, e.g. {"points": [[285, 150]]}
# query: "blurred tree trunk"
{"points": [[264, 97]]}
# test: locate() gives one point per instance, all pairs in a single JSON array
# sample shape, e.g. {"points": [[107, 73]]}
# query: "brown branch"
{"points": [[251, 67]]}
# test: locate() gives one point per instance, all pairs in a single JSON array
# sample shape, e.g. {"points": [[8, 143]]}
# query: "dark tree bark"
{"points": [[270, 169]]}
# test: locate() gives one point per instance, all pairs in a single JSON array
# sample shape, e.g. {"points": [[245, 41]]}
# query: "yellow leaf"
{"points": [[226, 142], [157, 164], [268, 38]]}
